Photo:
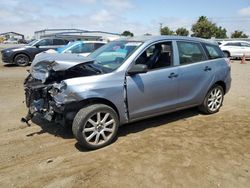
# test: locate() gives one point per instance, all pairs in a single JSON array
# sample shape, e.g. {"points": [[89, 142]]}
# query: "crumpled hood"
{"points": [[44, 62]]}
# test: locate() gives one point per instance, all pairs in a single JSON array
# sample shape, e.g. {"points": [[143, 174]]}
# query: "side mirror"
{"points": [[37, 45], [138, 68]]}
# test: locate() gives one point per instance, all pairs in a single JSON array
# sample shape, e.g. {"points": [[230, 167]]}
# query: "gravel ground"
{"points": [[183, 149]]}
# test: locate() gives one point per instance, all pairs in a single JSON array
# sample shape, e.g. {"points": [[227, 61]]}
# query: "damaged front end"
{"points": [[45, 89]]}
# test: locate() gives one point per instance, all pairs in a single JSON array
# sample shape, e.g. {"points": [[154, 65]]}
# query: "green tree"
{"points": [[221, 33], [238, 34], [127, 34], [166, 31], [182, 31], [206, 29]]}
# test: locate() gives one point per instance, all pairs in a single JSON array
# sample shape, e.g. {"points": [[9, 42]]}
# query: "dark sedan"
{"points": [[23, 55]]}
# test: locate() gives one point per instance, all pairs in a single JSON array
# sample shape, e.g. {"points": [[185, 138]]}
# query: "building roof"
{"points": [[11, 32]]}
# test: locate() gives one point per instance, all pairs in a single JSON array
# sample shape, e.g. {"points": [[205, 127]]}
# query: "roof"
{"points": [[233, 41], [165, 37]]}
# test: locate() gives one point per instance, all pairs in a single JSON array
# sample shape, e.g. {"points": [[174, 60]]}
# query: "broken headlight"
{"points": [[57, 88]]}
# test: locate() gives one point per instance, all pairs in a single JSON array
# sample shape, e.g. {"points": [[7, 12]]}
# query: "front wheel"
{"points": [[213, 100], [95, 126], [21, 60]]}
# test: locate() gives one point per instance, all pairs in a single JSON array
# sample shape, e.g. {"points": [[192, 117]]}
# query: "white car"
{"points": [[235, 49], [10, 41], [83, 48]]}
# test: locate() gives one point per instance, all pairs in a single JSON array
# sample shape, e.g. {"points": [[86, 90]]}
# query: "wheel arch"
{"points": [[21, 53], [95, 100], [222, 84], [226, 51]]}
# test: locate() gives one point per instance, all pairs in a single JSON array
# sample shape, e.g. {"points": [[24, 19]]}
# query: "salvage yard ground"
{"points": [[183, 149]]}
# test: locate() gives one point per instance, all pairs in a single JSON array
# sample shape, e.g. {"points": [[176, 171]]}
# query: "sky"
{"points": [[137, 16]]}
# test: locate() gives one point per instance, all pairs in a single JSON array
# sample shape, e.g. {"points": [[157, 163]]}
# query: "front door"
{"points": [[154, 92]]}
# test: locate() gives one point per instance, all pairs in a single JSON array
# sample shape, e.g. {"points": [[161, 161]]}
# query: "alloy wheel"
{"points": [[215, 99], [99, 128]]}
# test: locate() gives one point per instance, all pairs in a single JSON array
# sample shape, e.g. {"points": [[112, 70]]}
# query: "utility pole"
{"points": [[160, 27]]}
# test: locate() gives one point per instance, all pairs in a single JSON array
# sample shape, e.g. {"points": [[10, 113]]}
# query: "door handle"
{"points": [[207, 68], [173, 75]]}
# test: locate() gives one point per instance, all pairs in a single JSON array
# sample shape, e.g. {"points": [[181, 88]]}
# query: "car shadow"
{"points": [[51, 128], [156, 121], [10, 65], [132, 128]]}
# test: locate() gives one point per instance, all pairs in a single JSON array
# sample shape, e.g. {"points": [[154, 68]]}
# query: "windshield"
{"points": [[32, 43], [113, 54]]}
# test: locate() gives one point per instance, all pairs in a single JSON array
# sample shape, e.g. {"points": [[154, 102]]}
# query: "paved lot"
{"points": [[184, 149]]}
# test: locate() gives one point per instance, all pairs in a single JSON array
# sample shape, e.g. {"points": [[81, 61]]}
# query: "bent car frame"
{"points": [[125, 81]]}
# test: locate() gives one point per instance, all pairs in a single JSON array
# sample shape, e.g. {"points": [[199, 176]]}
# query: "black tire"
{"points": [[227, 54], [204, 107], [21, 60], [82, 122]]}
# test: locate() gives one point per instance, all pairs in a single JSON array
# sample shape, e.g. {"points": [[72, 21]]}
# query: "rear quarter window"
{"points": [[213, 52]]}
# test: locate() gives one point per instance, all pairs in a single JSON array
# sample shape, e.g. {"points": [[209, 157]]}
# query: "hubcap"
{"points": [[99, 128], [215, 99], [22, 60]]}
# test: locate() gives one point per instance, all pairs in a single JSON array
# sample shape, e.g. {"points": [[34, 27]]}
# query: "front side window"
{"points": [[82, 48], [213, 52], [190, 52], [157, 56], [44, 42]]}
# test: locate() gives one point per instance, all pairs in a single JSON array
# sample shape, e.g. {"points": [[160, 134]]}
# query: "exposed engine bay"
{"points": [[44, 85]]}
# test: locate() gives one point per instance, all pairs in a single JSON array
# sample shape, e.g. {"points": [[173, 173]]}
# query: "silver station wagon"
{"points": [[125, 81]]}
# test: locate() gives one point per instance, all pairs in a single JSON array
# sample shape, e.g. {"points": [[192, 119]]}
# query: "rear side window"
{"points": [[233, 44], [98, 45], [59, 42], [190, 52], [213, 51], [244, 44]]}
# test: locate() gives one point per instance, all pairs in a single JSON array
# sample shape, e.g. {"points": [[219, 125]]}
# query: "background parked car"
{"points": [[235, 49], [10, 41], [22, 55], [83, 48]]}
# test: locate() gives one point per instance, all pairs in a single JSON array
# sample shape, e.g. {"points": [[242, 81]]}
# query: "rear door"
{"points": [[195, 73]]}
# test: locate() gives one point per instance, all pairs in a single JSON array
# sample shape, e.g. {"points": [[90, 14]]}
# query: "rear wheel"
{"points": [[95, 126], [213, 100], [21, 60], [227, 54]]}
